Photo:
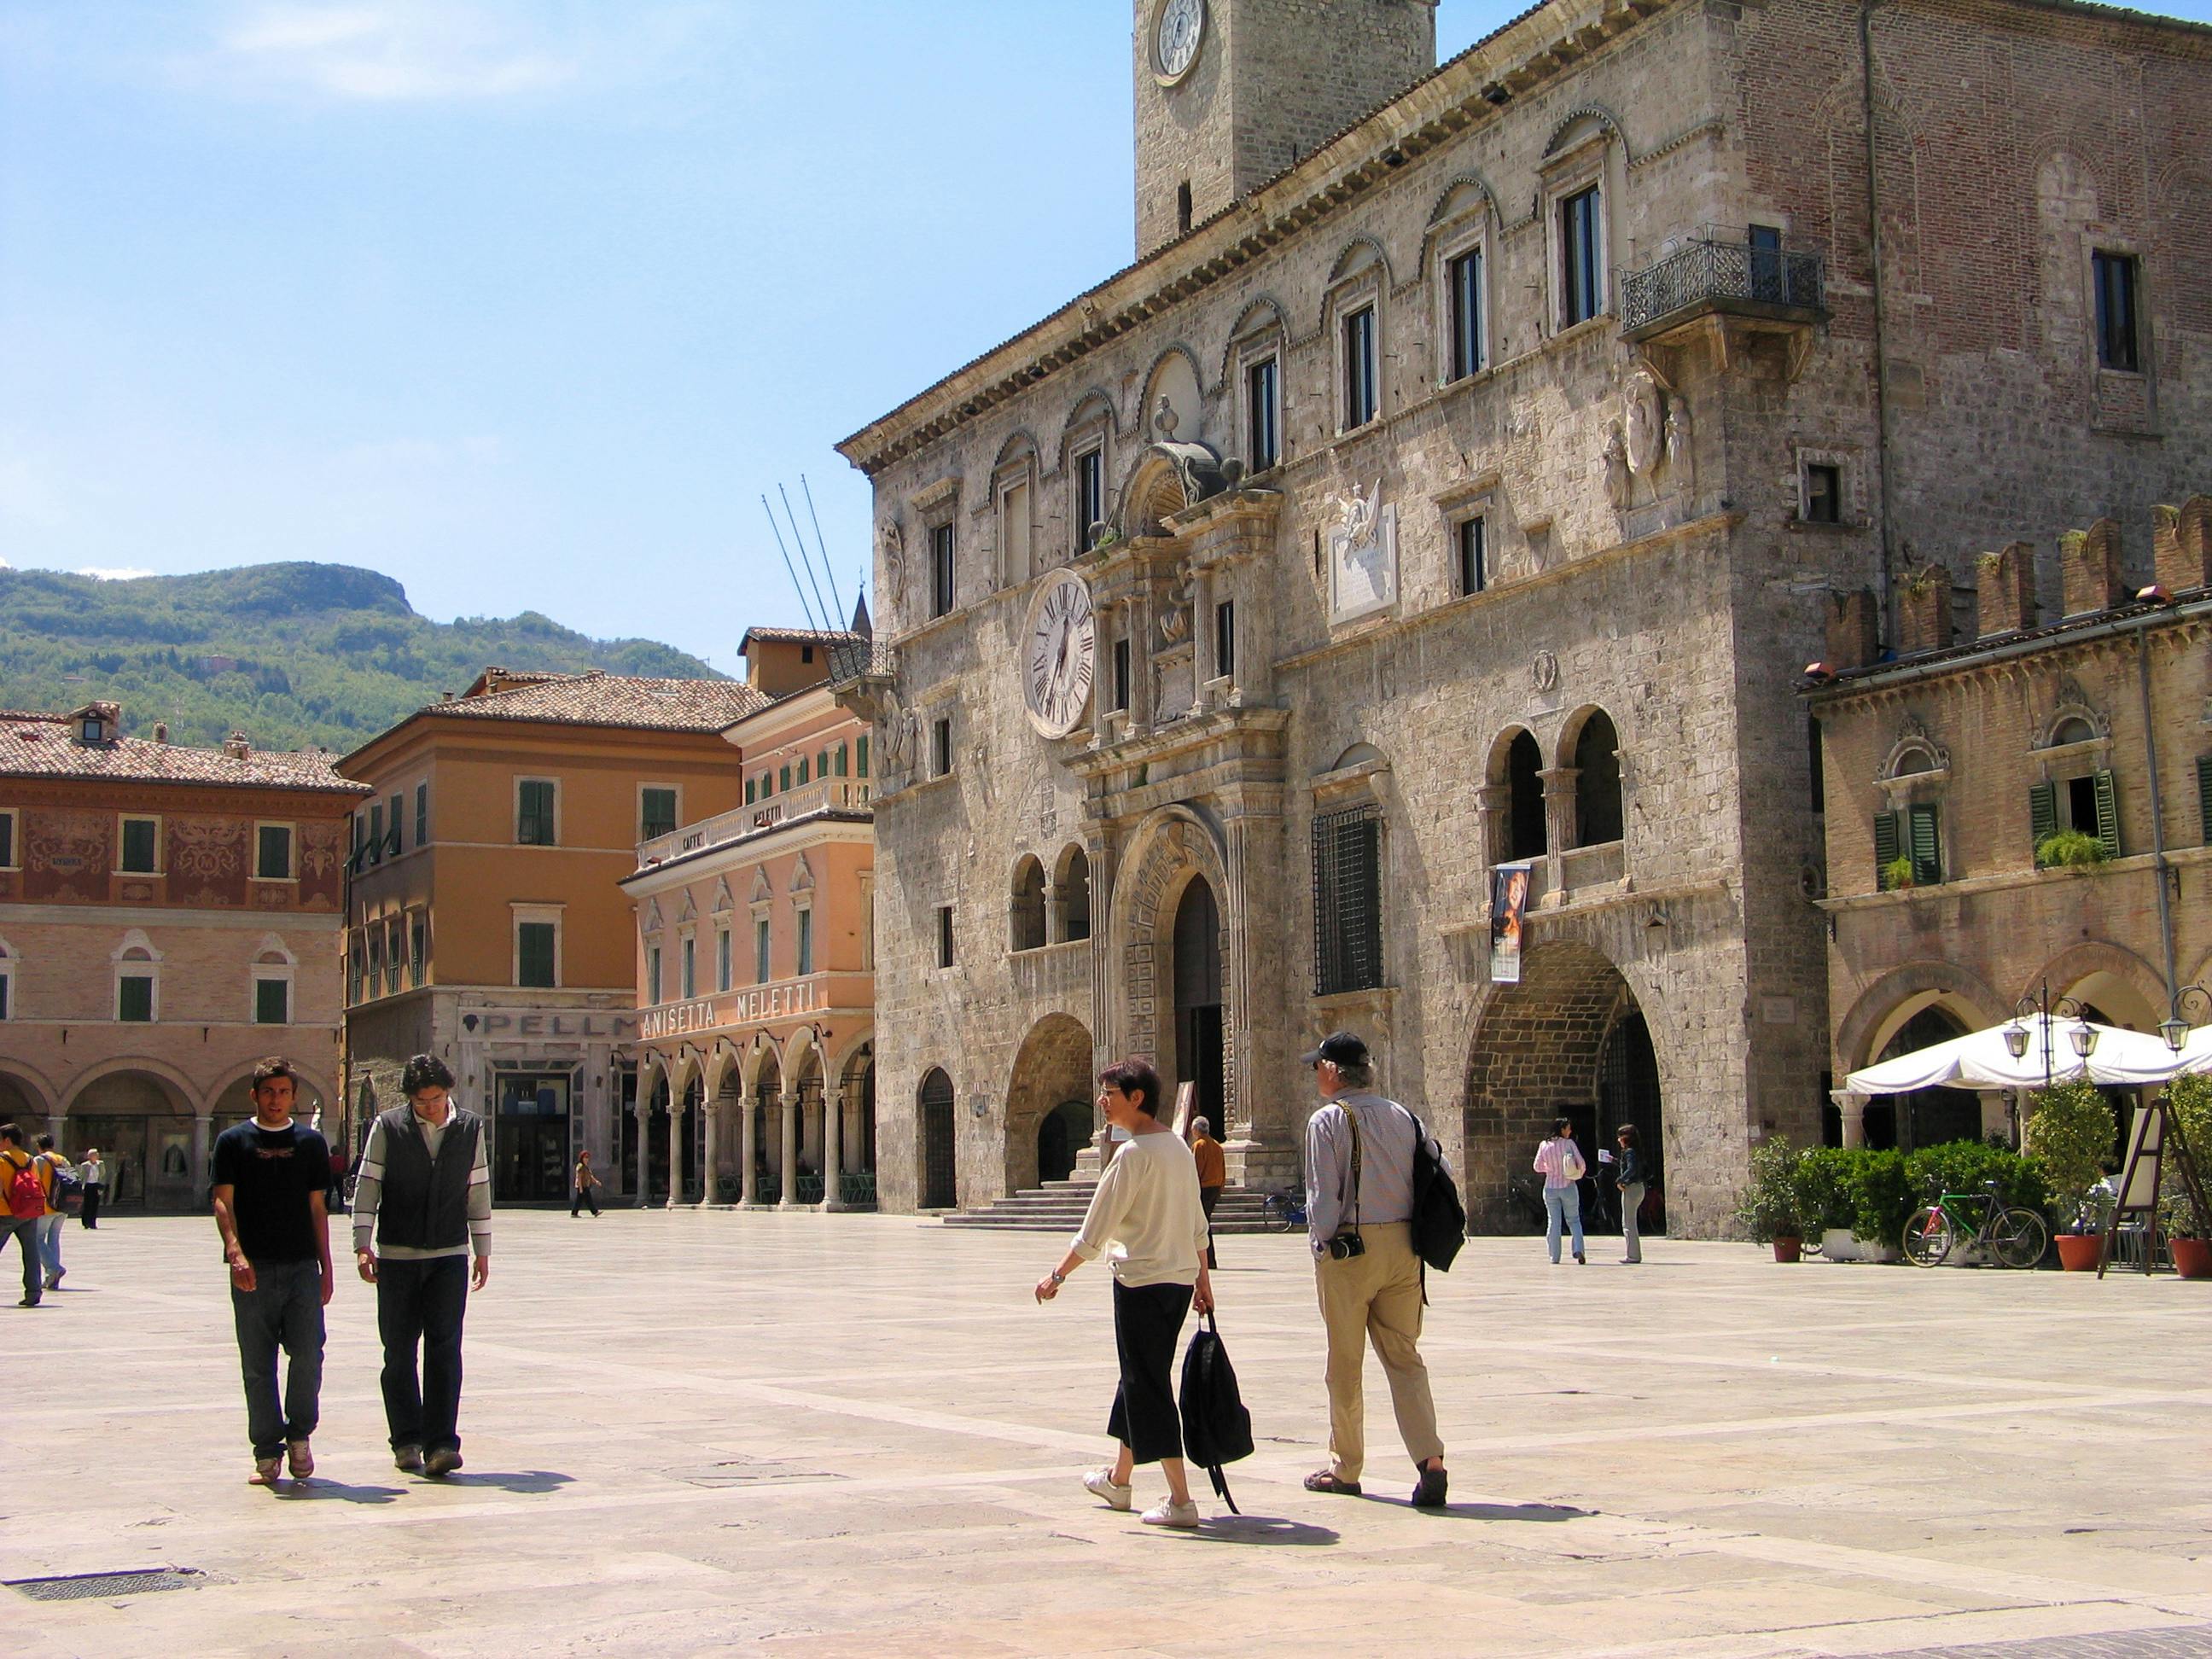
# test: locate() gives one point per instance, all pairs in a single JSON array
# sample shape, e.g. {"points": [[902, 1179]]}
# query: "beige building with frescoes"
{"points": [[1462, 474]]}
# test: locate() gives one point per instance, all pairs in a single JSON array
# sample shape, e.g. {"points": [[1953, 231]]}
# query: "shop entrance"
{"points": [[530, 1149], [144, 1134]]}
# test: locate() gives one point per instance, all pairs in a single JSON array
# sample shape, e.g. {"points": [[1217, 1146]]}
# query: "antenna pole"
{"points": [[827, 569], [803, 557], [787, 570]]}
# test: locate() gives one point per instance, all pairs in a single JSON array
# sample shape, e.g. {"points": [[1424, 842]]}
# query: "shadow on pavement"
{"points": [[297, 1491], [1513, 1512], [1261, 1530], [520, 1480]]}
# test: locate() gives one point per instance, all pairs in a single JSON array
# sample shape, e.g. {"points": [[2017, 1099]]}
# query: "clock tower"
{"points": [[1231, 92]]}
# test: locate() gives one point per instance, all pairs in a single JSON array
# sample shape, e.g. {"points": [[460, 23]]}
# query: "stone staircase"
{"points": [[1058, 1206]]}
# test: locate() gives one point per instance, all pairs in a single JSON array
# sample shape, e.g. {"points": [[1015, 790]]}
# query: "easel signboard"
{"points": [[2153, 1137]]}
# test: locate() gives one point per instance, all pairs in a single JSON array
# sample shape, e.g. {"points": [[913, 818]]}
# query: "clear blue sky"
{"points": [[525, 304]]}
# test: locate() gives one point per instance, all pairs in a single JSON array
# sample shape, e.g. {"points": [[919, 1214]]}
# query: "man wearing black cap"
{"points": [[1359, 1209]]}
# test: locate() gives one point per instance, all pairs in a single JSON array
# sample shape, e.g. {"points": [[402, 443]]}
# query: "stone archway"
{"points": [[1569, 1041], [1052, 1069], [939, 1185], [143, 1124], [1170, 849]]}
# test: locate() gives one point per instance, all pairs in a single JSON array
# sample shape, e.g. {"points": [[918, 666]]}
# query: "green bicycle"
{"points": [[2010, 1236]]}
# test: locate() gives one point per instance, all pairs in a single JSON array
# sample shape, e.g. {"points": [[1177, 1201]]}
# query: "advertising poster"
{"points": [[1509, 905]]}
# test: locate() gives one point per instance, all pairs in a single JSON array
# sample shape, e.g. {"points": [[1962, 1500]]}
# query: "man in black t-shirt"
{"points": [[269, 1177]]}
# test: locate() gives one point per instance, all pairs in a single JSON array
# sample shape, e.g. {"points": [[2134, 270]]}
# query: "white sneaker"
{"points": [[1099, 1483], [1169, 1513]]}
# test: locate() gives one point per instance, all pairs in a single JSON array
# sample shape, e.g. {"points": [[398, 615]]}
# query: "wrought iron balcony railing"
{"points": [[1726, 276], [853, 660]]}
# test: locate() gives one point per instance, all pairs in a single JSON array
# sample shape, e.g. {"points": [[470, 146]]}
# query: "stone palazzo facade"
{"points": [[1467, 491]]}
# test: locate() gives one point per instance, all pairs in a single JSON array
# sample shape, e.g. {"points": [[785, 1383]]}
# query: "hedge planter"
{"points": [[1787, 1249], [2192, 1257], [2077, 1252]]}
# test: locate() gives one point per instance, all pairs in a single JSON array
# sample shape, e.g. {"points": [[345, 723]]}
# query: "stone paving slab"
{"points": [[856, 1435]]}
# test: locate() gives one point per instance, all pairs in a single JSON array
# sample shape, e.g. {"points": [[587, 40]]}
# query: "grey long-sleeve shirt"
{"points": [[368, 1196], [1386, 1165]]}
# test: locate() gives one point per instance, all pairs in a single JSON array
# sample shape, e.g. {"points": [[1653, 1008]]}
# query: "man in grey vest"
{"points": [[421, 1204]]}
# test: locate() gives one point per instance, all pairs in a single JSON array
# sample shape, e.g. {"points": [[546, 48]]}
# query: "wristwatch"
{"points": [[1057, 1277]]}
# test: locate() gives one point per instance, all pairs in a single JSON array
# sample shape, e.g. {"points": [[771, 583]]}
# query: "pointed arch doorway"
{"points": [[1198, 1000]]}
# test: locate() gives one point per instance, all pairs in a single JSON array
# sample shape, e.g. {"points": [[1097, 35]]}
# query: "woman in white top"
{"points": [[94, 1174], [1146, 1217]]}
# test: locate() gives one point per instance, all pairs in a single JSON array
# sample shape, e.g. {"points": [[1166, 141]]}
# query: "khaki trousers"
{"points": [[1375, 1297]]}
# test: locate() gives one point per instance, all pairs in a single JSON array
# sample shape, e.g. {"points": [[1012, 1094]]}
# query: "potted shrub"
{"points": [[1824, 1203], [1882, 1201], [1895, 874], [2069, 1132], [2069, 849], [2188, 1230], [1767, 1207]]}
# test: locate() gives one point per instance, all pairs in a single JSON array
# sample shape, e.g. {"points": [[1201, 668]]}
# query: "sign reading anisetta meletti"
{"points": [[757, 1003]]}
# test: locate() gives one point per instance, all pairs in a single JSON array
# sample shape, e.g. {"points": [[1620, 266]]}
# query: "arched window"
{"points": [[1028, 919], [1524, 762], [1075, 893], [940, 1186], [1597, 783]]}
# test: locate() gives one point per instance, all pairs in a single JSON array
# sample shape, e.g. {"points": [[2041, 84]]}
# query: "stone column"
{"points": [[679, 1126], [786, 1126], [1139, 628], [709, 1180], [1493, 804], [1206, 665], [1055, 913], [1558, 783], [642, 1107], [833, 1149], [1852, 1108], [203, 1127], [747, 1154], [1101, 675]]}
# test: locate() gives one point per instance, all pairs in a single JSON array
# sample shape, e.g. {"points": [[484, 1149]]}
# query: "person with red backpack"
{"points": [[25, 1192]]}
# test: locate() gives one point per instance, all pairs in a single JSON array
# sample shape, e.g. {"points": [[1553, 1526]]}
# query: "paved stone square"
{"points": [[856, 1435]]}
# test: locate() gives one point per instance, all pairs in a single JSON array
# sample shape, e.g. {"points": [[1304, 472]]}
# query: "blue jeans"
{"points": [[1563, 1203], [421, 1304], [284, 1310], [50, 1244]]}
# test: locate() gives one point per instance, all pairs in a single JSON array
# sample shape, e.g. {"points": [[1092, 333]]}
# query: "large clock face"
{"points": [[1175, 36], [1058, 653]]}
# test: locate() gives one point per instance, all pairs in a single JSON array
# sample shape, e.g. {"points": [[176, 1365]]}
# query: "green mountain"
{"points": [[294, 655]]}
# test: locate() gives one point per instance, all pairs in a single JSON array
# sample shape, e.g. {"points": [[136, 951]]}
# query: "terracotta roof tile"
{"points": [[620, 700], [40, 745], [796, 636]]}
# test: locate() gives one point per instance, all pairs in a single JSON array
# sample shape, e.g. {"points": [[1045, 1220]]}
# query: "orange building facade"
{"points": [[487, 924], [168, 915], [754, 961]]}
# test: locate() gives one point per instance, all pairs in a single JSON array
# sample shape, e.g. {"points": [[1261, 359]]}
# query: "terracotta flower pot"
{"points": [[2077, 1252], [2192, 1257], [1787, 1249]]}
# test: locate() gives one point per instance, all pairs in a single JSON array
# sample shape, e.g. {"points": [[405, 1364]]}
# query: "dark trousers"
{"points": [[1147, 1320], [423, 1303], [1207, 1197], [89, 1215], [284, 1310], [582, 1196], [26, 1233]]}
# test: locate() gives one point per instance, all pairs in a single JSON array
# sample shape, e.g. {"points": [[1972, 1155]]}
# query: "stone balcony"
{"points": [[823, 795], [1712, 278]]}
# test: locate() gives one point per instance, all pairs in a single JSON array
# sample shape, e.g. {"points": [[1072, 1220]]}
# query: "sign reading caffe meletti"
{"points": [[747, 1007]]}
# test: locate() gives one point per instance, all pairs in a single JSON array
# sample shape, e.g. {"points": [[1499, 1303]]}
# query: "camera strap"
{"points": [[1352, 1118]]}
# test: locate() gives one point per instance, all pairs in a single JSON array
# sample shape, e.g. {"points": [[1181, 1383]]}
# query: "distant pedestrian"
{"points": [[1629, 1174], [26, 1207], [422, 1203], [52, 1167], [1560, 1162], [586, 1182], [94, 1174], [1359, 1210], [1213, 1177], [337, 1198], [269, 1178], [1145, 1216]]}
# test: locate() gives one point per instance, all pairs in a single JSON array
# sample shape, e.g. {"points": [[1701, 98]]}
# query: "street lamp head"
{"points": [[2084, 1038], [2015, 1039], [2175, 1030]]}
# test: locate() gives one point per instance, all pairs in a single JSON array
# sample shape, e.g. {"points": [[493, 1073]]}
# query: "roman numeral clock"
{"points": [[1058, 654]]}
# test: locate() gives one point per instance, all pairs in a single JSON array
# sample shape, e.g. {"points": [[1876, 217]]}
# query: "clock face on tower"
{"points": [[1175, 35], [1058, 649]]}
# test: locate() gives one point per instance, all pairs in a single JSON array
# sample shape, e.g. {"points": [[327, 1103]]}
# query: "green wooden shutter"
{"points": [[1927, 846], [2204, 796], [2042, 816], [2108, 814], [1886, 851]]}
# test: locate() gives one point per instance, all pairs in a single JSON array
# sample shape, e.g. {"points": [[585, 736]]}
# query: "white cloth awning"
{"points": [[1981, 1060]]}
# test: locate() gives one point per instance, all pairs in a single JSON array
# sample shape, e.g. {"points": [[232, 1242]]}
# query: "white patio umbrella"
{"points": [[1983, 1060]]}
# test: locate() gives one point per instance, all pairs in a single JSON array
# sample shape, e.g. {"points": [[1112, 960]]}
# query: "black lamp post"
{"points": [[2174, 1028], [2082, 1038]]}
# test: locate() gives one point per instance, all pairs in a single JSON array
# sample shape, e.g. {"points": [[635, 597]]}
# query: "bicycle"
{"points": [[2012, 1235], [1283, 1211]]}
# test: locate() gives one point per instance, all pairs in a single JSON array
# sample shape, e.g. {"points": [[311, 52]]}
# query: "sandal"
{"points": [[1327, 1480]]}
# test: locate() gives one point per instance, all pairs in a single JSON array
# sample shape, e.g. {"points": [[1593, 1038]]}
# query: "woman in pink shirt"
{"points": [[1561, 1165]]}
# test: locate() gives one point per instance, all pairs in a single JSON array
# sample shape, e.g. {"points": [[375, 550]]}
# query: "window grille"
{"points": [[1347, 894]]}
